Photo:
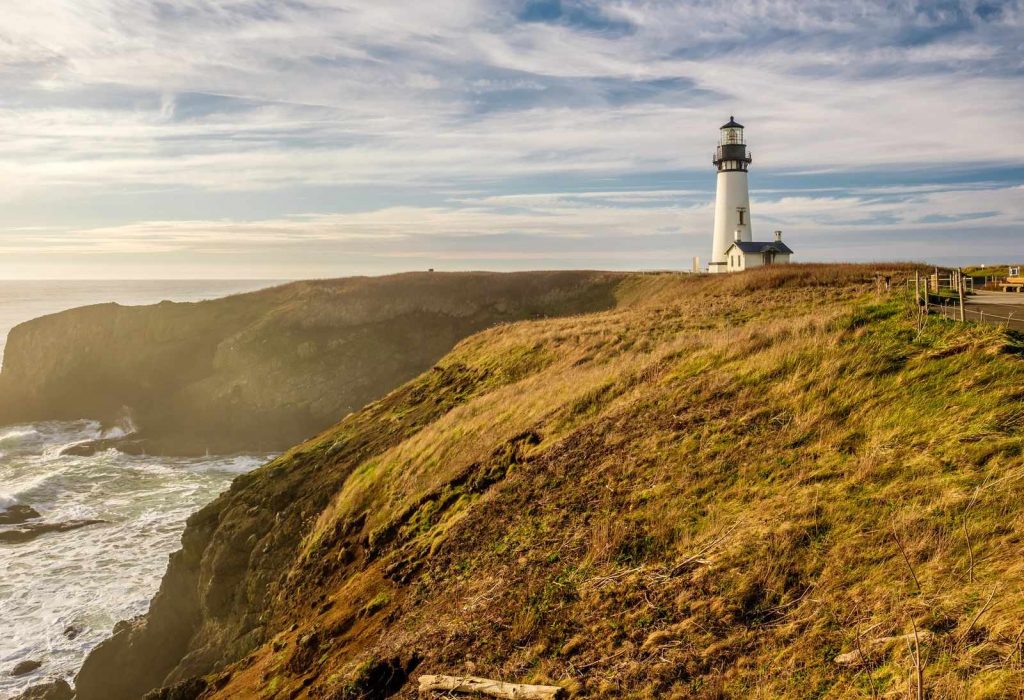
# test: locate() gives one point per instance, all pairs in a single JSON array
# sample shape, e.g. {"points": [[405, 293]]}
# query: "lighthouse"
{"points": [[732, 199]]}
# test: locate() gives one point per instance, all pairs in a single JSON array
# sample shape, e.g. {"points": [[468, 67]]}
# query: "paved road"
{"points": [[996, 307]]}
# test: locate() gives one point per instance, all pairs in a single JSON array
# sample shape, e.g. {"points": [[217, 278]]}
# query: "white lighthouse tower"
{"points": [[732, 200]]}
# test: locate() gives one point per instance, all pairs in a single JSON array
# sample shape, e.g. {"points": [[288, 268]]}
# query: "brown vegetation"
{"points": [[772, 484]]}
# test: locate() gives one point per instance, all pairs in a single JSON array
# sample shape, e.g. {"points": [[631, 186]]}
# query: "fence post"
{"points": [[917, 288], [960, 293]]}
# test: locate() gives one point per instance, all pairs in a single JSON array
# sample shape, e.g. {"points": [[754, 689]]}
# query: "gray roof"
{"points": [[762, 246]]}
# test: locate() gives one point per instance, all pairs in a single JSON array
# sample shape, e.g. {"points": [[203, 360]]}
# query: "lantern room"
{"points": [[731, 153], [732, 133]]}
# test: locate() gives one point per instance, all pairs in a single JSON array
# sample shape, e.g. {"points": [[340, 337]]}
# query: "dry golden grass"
{"points": [[714, 490]]}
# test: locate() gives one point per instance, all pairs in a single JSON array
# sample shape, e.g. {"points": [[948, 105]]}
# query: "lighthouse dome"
{"points": [[732, 124]]}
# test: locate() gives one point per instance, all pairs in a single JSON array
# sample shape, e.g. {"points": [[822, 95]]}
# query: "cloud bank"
{"points": [[303, 138]]}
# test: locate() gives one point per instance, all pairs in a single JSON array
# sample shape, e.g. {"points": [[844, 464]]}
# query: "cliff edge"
{"points": [[262, 371]]}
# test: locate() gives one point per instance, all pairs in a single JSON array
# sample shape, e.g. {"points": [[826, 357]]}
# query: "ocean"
{"points": [[62, 593]]}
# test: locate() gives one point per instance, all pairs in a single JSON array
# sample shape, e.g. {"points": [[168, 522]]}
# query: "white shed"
{"points": [[743, 255]]}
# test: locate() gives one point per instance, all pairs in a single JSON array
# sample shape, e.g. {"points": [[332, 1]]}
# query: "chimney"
{"points": [[778, 236], [736, 236]]}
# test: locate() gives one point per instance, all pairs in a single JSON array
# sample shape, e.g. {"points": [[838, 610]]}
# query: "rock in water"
{"points": [[53, 690], [27, 666], [33, 530], [17, 514], [127, 445]]}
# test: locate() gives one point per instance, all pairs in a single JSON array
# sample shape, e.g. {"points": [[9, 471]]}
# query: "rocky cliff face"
{"points": [[723, 487], [262, 371]]}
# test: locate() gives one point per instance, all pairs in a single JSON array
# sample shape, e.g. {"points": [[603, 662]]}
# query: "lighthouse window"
{"points": [[732, 136], [742, 213]]}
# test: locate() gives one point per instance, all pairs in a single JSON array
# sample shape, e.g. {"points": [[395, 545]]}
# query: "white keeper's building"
{"points": [[743, 255]]}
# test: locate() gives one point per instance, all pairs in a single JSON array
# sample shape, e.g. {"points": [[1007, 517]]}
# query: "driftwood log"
{"points": [[494, 689]]}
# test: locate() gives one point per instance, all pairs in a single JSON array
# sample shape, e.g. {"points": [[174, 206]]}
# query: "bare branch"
{"points": [[864, 663], [1015, 647], [970, 551], [978, 615], [915, 653], [906, 558]]}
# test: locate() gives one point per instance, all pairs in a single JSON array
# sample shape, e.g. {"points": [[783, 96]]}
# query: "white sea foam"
{"points": [[92, 577], [16, 434], [125, 426], [237, 464]]}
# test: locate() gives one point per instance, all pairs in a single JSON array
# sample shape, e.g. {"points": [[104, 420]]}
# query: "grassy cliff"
{"points": [[265, 370], [773, 484]]}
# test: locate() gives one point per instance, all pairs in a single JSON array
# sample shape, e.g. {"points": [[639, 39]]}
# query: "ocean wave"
{"points": [[92, 577], [124, 427], [46, 439], [17, 434], [238, 464], [32, 490]]}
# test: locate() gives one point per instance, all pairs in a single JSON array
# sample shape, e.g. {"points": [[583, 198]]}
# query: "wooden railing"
{"points": [[949, 296]]}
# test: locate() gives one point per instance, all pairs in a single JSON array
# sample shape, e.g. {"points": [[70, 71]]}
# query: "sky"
{"points": [[316, 138]]}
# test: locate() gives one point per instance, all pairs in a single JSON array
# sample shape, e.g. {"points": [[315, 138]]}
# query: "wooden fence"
{"points": [[981, 315], [928, 290], [951, 301]]}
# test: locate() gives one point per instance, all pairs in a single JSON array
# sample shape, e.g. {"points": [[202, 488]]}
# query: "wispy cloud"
{"points": [[124, 125]]}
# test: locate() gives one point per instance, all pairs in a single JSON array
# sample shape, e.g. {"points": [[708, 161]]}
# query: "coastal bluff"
{"points": [[725, 486], [264, 370]]}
